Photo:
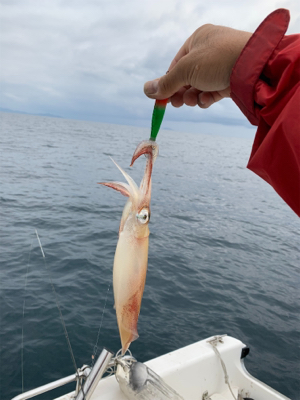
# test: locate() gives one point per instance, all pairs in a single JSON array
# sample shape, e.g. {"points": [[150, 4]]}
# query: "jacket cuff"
{"points": [[252, 60]]}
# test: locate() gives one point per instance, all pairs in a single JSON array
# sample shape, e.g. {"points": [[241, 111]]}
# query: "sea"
{"points": [[223, 255]]}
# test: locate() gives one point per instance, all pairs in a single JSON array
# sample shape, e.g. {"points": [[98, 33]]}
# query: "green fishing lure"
{"points": [[157, 117]]}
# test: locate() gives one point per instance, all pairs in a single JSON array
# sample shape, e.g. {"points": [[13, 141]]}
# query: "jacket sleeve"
{"points": [[265, 84]]}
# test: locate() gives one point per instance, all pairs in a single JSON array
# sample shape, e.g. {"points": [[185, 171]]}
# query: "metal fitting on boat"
{"points": [[95, 375]]}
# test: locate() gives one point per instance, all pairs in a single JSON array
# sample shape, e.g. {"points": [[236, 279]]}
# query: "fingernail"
{"points": [[151, 87], [202, 103]]}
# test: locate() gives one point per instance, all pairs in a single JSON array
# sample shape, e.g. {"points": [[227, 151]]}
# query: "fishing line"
{"points": [[58, 307], [61, 315], [24, 303], [100, 326]]}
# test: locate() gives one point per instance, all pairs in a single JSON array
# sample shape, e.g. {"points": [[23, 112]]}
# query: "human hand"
{"points": [[200, 72]]}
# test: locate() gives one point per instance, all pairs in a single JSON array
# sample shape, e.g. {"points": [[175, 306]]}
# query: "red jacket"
{"points": [[265, 84]]}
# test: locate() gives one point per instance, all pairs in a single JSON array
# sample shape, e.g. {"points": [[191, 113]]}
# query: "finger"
{"points": [[169, 84], [151, 87], [190, 97], [206, 99], [183, 51], [177, 98]]}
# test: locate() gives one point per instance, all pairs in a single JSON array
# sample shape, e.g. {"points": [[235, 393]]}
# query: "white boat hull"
{"points": [[195, 370]]}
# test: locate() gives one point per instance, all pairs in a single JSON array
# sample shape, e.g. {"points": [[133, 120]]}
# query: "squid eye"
{"points": [[143, 216]]}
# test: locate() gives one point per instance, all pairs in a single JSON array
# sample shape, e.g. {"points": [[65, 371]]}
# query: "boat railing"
{"points": [[87, 380]]}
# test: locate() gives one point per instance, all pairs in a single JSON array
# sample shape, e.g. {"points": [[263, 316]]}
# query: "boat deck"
{"points": [[196, 373]]}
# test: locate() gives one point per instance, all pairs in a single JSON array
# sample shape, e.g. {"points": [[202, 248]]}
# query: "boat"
{"points": [[210, 369]]}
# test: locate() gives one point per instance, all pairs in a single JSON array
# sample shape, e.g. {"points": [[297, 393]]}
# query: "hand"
{"points": [[200, 72]]}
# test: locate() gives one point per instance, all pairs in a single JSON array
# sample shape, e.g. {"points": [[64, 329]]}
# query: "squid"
{"points": [[131, 256]]}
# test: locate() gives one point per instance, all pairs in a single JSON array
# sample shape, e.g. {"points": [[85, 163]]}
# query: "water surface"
{"points": [[223, 257]]}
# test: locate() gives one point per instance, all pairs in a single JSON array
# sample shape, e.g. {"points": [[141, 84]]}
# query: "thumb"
{"points": [[167, 85]]}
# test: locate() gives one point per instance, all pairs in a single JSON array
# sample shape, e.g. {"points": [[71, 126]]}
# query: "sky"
{"points": [[89, 59]]}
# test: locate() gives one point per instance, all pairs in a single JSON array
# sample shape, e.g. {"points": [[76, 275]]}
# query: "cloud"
{"points": [[89, 59]]}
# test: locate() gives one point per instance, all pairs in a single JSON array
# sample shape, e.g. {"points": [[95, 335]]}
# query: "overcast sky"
{"points": [[89, 59]]}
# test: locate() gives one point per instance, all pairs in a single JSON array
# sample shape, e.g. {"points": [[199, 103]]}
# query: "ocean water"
{"points": [[223, 257]]}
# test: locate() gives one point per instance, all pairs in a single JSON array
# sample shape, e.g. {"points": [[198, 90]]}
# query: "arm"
{"points": [[265, 84], [260, 72]]}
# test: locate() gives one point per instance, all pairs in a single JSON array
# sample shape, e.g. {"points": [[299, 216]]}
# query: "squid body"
{"points": [[131, 257]]}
